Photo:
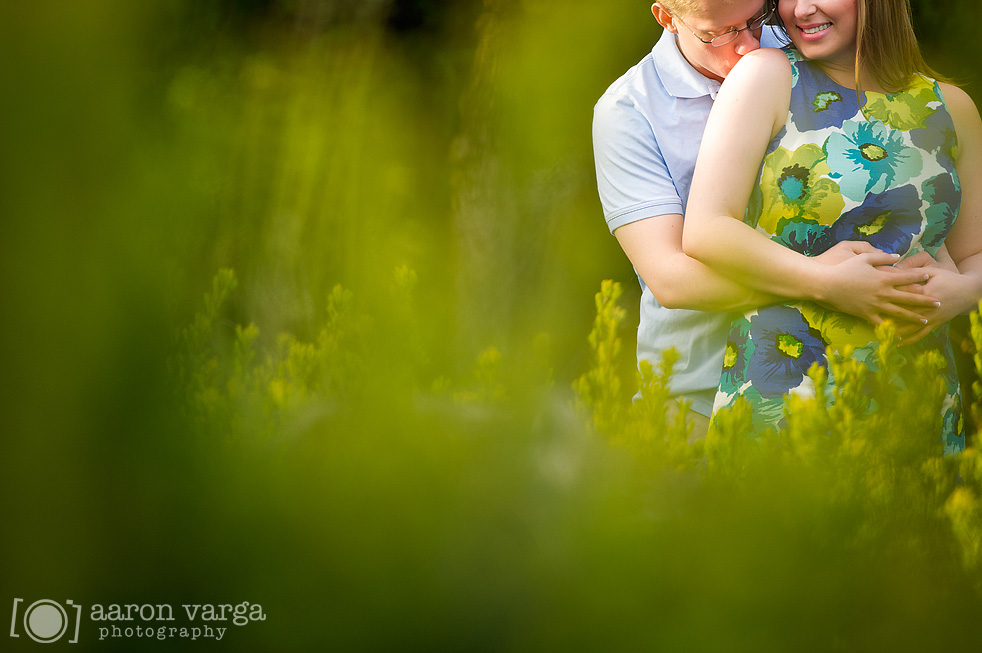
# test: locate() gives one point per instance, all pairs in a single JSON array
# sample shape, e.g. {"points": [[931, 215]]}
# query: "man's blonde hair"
{"points": [[684, 8], [678, 7]]}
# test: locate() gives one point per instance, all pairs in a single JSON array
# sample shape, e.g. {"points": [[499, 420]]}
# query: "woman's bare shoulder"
{"points": [[764, 74], [964, 116], [958, 101], [764, 66]]}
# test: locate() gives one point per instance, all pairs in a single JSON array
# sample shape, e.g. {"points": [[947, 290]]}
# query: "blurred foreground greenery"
{"points": [[295, 296]]}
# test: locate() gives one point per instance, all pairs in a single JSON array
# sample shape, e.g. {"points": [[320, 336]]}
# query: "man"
{"points": [[647, 130]]}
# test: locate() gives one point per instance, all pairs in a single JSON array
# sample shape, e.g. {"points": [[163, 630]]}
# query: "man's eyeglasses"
{"points": [[728, 37]]}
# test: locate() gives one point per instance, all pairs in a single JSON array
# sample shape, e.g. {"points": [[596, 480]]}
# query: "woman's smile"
{"points": [[816, 28]]}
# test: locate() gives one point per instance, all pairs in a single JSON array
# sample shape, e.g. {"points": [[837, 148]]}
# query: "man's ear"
{"points": [[664, 18]]}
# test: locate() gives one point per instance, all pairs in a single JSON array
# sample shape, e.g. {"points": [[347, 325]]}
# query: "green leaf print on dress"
{"points": [[906, 110], [838, 329], [824, 100]]}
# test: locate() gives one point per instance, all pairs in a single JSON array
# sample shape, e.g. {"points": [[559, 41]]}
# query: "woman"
{"points": [[843, 136]]}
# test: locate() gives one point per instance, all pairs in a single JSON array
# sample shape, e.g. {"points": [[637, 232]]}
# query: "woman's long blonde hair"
{"points": [[886, 46]]}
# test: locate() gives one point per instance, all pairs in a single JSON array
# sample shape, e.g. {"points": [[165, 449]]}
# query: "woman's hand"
{"points": [[861, 280], [956, 293]]}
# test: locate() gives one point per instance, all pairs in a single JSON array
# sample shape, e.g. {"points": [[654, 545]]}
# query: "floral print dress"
{"points": [[834, 174]]}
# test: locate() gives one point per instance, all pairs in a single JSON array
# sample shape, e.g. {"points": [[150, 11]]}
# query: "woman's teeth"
{"points": [[816, 29]]}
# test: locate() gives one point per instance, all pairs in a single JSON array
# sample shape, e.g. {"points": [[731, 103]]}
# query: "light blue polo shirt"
{"points": [[647, 129]]}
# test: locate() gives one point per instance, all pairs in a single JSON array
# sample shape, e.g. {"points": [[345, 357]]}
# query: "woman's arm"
{"points": [[964, 241], [750, 109], [654, 246], [959, 292]]}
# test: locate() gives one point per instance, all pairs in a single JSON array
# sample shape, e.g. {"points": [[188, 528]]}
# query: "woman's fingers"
{"points": [[909, 298]]}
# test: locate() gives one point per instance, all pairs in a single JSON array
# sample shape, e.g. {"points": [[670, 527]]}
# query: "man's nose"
{"points": [[746, 42]]}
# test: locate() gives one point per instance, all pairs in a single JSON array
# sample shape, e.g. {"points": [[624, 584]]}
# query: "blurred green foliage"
{"points": [[483, 518], [368, 427]]}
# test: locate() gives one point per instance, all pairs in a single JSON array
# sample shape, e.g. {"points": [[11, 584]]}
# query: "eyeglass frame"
{"points": [[762, 20]]}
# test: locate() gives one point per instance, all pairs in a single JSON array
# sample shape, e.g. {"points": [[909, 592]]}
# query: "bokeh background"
{"points": [[373, 435]]}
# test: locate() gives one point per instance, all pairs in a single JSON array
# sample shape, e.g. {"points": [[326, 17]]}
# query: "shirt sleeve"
{"points": [[773, 37], [633, 178]]}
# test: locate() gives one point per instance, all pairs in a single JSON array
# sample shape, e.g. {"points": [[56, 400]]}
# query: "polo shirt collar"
{"points": [[680, 79]]}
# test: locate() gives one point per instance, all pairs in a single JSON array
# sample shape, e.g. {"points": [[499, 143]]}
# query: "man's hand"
{"points": [[846, 250], [945, 284], [924, 260], [957, 295]]}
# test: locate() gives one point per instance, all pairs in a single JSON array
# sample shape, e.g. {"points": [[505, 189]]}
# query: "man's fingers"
{"points": [[900, 313], [877, 258], [907, 277], [919, 260], [859, 246], [908, 329], [909, 340]]}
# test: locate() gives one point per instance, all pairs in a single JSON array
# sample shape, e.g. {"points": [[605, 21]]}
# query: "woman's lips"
{"points": [[814, 31]]}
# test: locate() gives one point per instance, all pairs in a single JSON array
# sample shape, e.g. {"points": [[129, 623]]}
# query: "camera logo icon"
{"points": [[46, 621]]}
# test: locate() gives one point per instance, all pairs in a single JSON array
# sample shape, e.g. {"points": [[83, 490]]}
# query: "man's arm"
{"points": [[654, 246]]}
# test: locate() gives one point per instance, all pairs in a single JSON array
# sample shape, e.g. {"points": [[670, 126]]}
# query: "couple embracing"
{"points": [[832, 182]]}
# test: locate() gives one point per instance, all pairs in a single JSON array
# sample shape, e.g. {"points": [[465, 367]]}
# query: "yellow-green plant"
{"points": [[650, 425], [599, 389], [963, 506], [233, 385], [859, 445], [976, 331]]}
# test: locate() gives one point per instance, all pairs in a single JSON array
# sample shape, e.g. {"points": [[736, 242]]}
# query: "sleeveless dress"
{"points": [[833, 174]]}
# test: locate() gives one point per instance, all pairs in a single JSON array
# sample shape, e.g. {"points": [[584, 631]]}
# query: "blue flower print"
{"points": [[869, 157], [786, 348], [887, 221], [943, 197], [830, 106]]}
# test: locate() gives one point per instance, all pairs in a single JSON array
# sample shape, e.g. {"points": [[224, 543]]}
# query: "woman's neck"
{"points": [[845, 75]]}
